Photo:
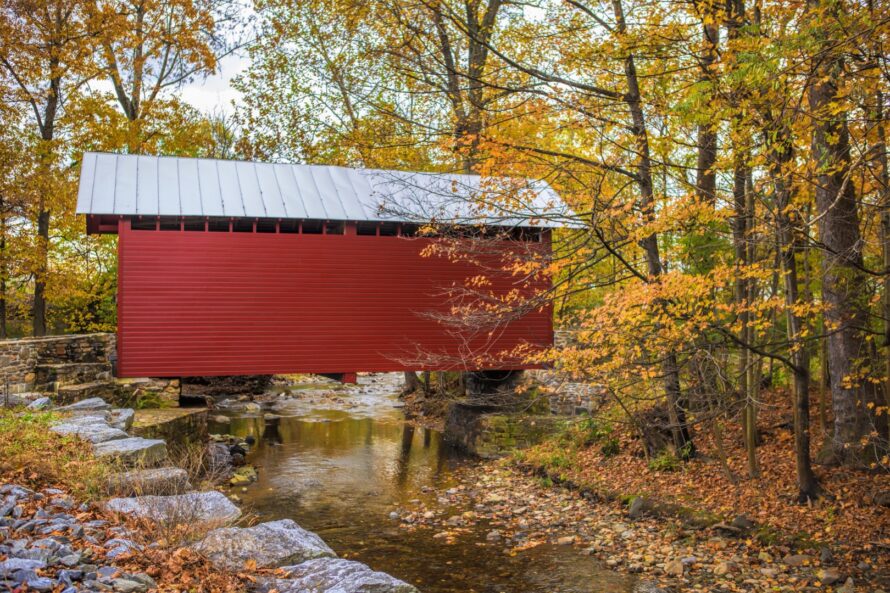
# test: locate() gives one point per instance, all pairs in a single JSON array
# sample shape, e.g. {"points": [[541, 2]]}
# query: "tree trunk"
{"points": [[740, 228], [4, 270], [843, 282], [670, 367], [39, 307], [412, 383], [884, 193], [781, 156], [705, 173]]}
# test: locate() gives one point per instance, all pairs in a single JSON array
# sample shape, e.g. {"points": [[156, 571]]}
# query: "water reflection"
{"points": [[341, 475]]}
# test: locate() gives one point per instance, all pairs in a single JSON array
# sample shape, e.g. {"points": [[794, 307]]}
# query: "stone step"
{"points": [[60, 374], [68, 394], [269, 545], [204, 508], [132, 451], [158, 480], [329, 575], [92, 404], [89, 428]]}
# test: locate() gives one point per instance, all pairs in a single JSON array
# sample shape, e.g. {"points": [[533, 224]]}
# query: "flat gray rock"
{"points": [[21, 399], [93, 403], [132, 451], [122, 418], [84, 418], [192, 507], [271, 544], [335, 575], [40, 403], [94, 432], [158, 480], [13, 564]]}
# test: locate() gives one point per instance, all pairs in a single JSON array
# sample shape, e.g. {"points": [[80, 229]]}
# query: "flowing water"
{"points": [[339, 465]]}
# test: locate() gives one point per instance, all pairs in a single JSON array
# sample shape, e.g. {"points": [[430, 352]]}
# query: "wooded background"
{"points": [[726, 160]]}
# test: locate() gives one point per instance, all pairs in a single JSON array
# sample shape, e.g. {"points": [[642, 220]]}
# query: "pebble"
{"points": [[27, 552], [828, 576], [675, 568], [128, 586], [41, 584], [13, 564]]}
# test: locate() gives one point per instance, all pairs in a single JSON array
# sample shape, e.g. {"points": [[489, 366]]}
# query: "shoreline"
{"points": [[666, 553]]}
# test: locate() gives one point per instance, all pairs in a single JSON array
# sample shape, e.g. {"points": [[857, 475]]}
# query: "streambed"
{"points": [[343, 462]]}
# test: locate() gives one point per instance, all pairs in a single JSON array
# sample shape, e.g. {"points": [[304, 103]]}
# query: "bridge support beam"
{"points": [[351, 378]]}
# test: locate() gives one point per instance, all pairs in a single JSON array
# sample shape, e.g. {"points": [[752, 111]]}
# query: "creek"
{"points": [[341, 460]]}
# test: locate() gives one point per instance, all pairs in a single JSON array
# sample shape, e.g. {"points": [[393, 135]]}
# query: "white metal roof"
{"points": [[129, 185]]}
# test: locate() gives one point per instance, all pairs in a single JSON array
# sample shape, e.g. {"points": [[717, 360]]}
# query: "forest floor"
{"points": [[694, 525], [54, 536]]}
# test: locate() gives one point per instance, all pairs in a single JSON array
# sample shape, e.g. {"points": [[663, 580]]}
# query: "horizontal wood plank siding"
{"points": [[205, 303]]}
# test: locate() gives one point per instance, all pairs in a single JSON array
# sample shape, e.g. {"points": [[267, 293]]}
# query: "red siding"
{"points": [[206, 303]]}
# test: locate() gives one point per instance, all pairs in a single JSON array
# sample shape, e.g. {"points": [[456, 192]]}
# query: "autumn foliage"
{"points": [[726, 164]]}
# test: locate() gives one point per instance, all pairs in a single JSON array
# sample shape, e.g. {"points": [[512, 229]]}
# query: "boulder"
{"points": [[271, 544], [159, 480], [132, 451], [192, 507], [219, 459], [93, 403], [743, 522], [639, 506], [94, 432], [335, 575], [21, 399]]}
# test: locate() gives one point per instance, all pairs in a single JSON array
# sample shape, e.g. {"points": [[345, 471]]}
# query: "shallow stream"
{"points": [[340, 460]]}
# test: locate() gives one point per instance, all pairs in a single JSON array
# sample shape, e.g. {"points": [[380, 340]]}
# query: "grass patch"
{"points": [[586, 432], [32, 455], [665, 462], [610, 448], [149, 400]]}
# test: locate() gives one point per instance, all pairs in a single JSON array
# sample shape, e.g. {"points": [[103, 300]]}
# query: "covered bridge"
{"points": [[242, 268]]}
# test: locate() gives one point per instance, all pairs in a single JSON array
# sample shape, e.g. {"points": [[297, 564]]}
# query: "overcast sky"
{"points": [[216, 92]]}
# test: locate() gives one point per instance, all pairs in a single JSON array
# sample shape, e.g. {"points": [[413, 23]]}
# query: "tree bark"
{"points": [[884, 201], [412, 382], [670, 368], [843, 282], [39, 307], [781, 155], [4, 269], [705, 173], [740, 228]]}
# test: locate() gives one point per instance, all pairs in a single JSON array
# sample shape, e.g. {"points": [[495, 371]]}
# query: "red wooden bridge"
{"points": [[239, 268]]}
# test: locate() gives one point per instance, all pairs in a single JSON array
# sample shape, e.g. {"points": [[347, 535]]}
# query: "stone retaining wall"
{"points": [[19, 358]]}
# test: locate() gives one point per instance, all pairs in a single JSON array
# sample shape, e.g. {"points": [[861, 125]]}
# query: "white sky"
{"points": [[215, 93]]}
